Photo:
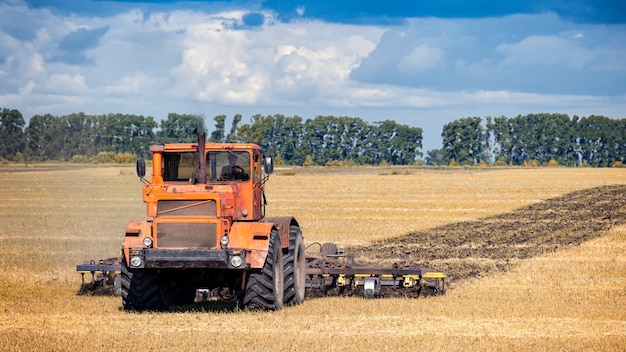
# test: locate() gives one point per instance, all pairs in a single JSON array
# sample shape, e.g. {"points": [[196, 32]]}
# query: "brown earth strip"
{"points": [[480, 247]]}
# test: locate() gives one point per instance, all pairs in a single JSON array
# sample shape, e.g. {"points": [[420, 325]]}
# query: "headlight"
{"points": [[135, 261], [236, 261], [147, 241], [224, 241]]}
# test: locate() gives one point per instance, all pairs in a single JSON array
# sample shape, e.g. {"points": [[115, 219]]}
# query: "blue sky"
{"points": [[422, 63]]}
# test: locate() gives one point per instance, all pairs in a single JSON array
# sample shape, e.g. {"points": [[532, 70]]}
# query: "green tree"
{"points": [[180, 128], [120, 133], [291, 148], [315, 140], [254, 132], [77, 135], [232, 136], [464, 140], [498, 139], [12, 137], [436, 157], [44, 138], [278, 134], [395, 143], [323, 139], [218, 136], [135, 134], [557, 140], [141, 133], [600, 139]]}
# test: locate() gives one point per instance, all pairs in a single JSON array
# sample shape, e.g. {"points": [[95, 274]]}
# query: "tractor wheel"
{"points": [[141, 289], [295, 268], [264, 287]]}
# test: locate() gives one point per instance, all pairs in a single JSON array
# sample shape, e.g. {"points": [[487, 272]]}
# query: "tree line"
{"points": [[61, 138], [537, 138], [326, 140], [293, 140], [323, 140]]}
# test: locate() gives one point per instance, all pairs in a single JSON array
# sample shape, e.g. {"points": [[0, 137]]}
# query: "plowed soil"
{"points": [[481, 247]]}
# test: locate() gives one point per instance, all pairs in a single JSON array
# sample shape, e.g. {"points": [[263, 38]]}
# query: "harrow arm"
{"points": [[328, 271], [104, 276]]}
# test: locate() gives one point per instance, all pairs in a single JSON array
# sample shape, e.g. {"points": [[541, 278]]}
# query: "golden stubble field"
{"points": [[571, 299]]}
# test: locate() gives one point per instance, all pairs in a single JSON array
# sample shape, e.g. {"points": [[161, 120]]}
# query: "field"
{"points": [[536, 259]]}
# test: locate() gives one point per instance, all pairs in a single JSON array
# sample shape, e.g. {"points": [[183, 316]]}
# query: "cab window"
{"points": [[228, 166], [179, 166]]}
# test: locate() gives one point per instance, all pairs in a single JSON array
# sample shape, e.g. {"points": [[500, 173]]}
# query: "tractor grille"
{"points": [[186, 208], [187, 235]]}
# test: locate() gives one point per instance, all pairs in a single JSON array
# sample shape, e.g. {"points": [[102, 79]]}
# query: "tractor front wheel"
{"points": [[141, 289], [264, 287]]}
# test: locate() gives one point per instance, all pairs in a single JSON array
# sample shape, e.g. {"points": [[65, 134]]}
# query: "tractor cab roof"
{"points": [[190, 147]]}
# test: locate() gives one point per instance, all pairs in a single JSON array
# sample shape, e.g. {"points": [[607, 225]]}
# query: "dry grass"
{"points": [[574, 299]]}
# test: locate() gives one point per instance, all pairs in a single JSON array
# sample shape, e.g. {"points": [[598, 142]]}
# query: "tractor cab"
{"points": [[222, 164], [231, 173]]}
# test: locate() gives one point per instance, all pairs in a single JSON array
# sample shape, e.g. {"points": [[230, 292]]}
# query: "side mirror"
{"points": [[269, 164], [141, 168]]}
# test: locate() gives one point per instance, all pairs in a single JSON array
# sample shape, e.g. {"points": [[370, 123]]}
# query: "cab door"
{"points": [[257, 196]]}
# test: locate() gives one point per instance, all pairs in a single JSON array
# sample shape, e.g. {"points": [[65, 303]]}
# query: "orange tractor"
{"points": [[207, 230]]}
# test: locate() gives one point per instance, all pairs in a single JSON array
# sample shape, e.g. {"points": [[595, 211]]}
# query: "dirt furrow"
{"points": [[480, 247]]}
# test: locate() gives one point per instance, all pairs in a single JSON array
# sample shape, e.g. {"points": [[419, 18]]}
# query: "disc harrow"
{"points": [[329, 271], [332, 271], [104, 277]]}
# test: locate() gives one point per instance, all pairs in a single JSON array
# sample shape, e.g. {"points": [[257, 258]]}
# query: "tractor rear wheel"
{"points": [[264, 287], [295, 268], [141, 289]]}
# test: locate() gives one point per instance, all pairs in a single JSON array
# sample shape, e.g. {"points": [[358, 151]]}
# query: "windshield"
{"points": [[228, 166], [221, 166]]}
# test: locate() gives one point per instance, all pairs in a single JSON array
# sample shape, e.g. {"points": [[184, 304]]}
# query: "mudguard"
{"points": [[282, 224]]}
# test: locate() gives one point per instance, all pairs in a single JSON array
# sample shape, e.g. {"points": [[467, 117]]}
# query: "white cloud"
{"points": [[137, 84], [546, 50], [27, 89], [64, 84], [215, 67], [273, 65], [422, 57], [196, 62]]}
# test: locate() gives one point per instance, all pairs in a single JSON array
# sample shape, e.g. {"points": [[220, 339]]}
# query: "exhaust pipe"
{"points": [[201, 146]]}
